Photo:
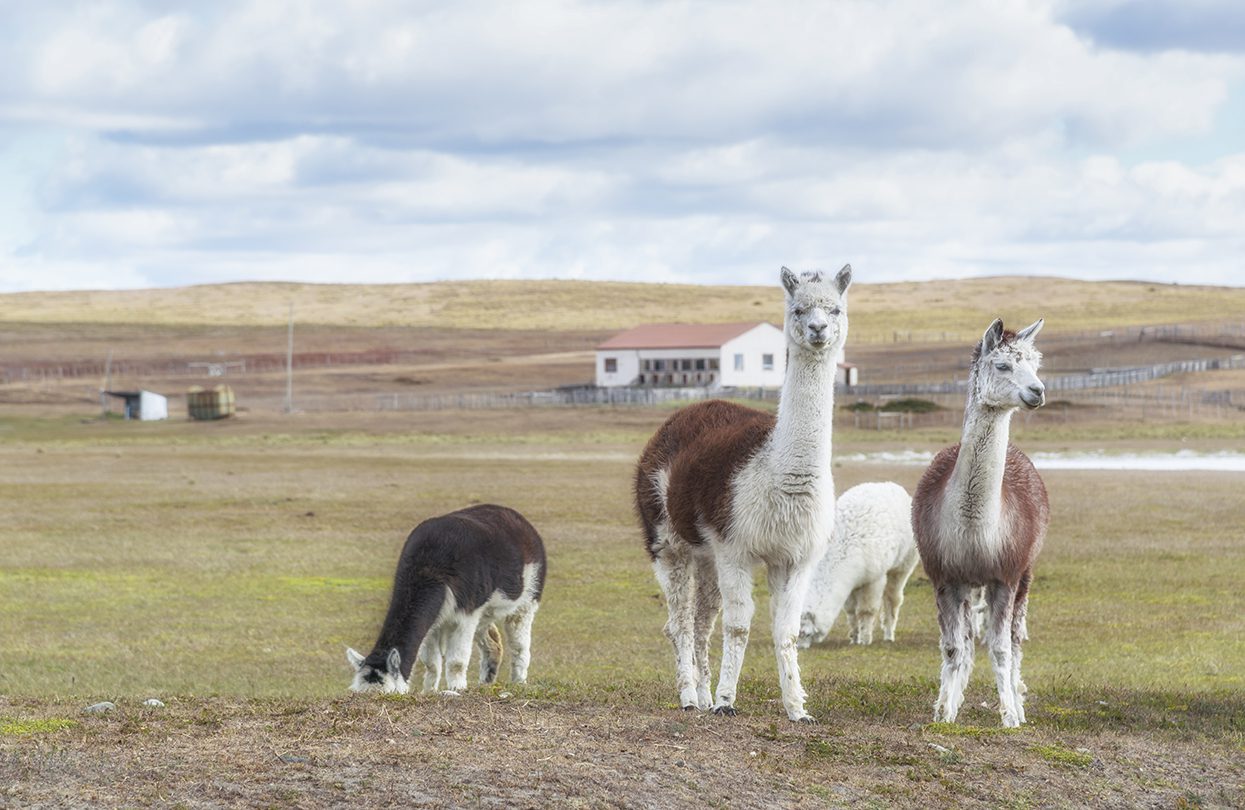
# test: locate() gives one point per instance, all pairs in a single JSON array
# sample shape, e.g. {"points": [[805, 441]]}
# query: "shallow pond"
{"points": [[1178, 461]]}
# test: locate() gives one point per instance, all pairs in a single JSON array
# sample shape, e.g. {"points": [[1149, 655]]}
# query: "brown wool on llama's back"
{"points": [[701, 446]]}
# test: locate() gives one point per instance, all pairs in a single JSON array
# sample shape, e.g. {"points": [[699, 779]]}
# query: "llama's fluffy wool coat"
{"points": [[872, 543]]}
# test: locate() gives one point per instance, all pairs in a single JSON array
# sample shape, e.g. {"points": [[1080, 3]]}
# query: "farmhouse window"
{"points": [[641, 379], [713, 364], [767, 362], [648, 365], [739, 362], [611, 365], [700, 364], [659, 365]]}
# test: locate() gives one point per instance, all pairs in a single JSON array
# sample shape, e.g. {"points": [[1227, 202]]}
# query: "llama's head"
{"points": [[1005, 368], [378, 672], [811, 631], [817, 308]]}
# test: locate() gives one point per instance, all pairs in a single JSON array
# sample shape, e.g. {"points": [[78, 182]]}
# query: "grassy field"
{"points": [[224, 568], [953, 308]]}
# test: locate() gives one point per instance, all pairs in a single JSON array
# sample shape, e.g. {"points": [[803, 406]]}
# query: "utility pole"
{"points": [[103, 397], [289, 364]]}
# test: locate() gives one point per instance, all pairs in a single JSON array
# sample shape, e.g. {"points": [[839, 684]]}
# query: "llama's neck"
{"points": [[975, 490], [800, 443], [413, 610]]}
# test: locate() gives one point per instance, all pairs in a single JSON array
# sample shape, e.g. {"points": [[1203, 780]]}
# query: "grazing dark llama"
{"points": [[457, 574], [979, 515]]}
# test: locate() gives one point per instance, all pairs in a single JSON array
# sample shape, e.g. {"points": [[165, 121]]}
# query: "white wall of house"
{"points": [[626, 367], [762, 353]]}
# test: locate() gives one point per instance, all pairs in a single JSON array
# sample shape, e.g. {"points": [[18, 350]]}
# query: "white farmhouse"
{"points": [[719, 355]]}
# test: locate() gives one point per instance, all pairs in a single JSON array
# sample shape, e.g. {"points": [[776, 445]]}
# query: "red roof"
{"points": [[678, 335]]}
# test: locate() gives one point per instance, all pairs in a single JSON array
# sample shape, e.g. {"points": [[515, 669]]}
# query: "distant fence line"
{"points": [[947, 395], [1229, 335], [1108, 378]]}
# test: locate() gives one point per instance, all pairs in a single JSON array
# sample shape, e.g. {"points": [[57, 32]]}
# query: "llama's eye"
{"points": [[835, 311], [1003, 366], [798, 312]]}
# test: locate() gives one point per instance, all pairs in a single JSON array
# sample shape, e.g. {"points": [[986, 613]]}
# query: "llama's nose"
{"points": [[817, 329], [1038, 390]]}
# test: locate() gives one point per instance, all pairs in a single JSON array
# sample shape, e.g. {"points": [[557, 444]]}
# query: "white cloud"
{"points": [[703, 141]]}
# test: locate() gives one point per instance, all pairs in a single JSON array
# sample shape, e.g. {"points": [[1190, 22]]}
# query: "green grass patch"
{"points": [[958, 730], [1059, 755], [39, 726]]}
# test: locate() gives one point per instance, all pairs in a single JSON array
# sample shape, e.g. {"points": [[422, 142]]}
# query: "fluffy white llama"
{"points": [[980, 515], [865, 567], [721, 487]]}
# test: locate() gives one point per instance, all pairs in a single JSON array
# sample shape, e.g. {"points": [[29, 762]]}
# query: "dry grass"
{"points": [[522, 749], [956, 308]]}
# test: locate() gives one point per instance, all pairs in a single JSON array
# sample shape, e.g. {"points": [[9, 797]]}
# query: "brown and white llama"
{"points": [[720, 488], [980, 515]]}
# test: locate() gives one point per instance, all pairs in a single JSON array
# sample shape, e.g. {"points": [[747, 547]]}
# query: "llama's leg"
{"points": [[519, 637], [1000, 599], [458, 641], [430, 657], [957, 650], [488, 643], [1020, 634], [735, 585], [788, 584], [674, 568], [979, 612], [892, 595], [708, 603], [853, 624], [868, 602]]}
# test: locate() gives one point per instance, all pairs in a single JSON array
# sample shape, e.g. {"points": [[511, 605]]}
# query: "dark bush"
{"points": [[910, 405], [859, 407]]}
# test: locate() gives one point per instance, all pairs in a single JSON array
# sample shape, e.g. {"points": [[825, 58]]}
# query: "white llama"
{"points": [[720, 488], [865, 567], [980, 515]]}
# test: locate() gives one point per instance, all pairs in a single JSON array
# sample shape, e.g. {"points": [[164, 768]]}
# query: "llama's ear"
{"points": [[393, 664], [354, 658], [993, 337], [1031, 331], [789, 280], [844, 279]]}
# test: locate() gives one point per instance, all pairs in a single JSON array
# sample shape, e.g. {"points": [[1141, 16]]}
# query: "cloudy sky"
{"points": [[161, 144]]}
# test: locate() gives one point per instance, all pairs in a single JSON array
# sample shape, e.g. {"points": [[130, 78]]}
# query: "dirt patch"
{"points": [[512, 752]]}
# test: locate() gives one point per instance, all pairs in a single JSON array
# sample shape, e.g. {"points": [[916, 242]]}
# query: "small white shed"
{"points": [[144, 405]]}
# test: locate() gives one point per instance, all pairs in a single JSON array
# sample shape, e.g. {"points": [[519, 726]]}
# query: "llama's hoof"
{"points": [[725, 711], [689, 708], [806, 719]]}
